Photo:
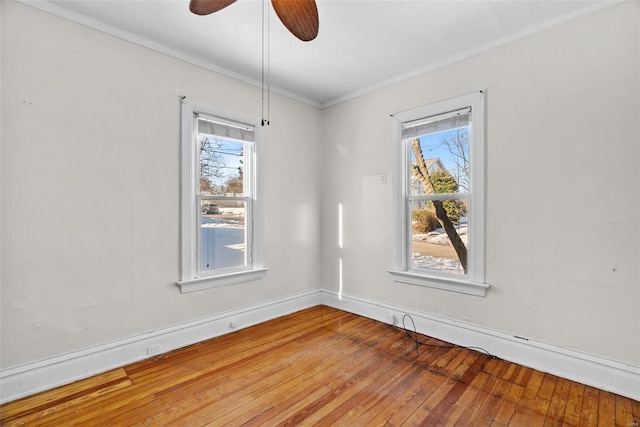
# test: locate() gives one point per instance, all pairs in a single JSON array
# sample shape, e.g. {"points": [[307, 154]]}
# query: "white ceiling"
{"points": [[362, 44]]}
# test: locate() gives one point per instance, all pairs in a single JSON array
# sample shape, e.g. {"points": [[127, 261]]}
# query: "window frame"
{"points": [[473, 282], [191, 278]]}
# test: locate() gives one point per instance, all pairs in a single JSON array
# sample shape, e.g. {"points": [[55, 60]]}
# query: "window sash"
{"points": [[245, 134], [247, 238]]}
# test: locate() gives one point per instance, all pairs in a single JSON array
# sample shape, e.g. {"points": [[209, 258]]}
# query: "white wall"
{"points": [[90, 201], [90, 195], [563, 162]]}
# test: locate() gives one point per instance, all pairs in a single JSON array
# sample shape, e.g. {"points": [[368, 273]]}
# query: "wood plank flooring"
{"points": [[324, 367]]}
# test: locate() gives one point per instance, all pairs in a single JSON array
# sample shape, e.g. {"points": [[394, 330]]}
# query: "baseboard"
{"points": [[587, 369], [24, 380]]}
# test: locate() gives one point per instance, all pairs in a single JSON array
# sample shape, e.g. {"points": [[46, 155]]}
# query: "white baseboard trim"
{"points": [[616, 377], [24, 380]]}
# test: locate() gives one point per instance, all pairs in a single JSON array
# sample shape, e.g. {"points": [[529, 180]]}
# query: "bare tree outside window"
{"points": [[221, 166], [212, 164], [458, 146]]}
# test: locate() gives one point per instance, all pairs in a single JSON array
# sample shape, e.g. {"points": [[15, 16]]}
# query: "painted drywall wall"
{"points": [[89, 209], [562, 216], [90, 195]]}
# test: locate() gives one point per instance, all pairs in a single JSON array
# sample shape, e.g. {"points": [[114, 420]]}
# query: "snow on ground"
{"points": [[221, 223], [436, 263], [438, 237]]}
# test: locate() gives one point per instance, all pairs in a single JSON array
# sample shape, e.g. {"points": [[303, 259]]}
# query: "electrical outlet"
{"points": [[394, 320], [383, 178]]}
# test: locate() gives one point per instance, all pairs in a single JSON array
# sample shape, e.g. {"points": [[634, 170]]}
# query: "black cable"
{"points": [[419, 343]]}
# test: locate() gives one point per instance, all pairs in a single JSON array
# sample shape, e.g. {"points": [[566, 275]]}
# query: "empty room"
{"points": [[329, 212]]}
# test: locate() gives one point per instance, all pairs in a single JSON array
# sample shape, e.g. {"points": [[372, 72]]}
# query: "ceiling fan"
{"points": [[299, 16]]}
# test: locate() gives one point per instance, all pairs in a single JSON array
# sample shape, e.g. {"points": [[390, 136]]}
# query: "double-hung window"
{"points": [[220, 209], [439, 195]]}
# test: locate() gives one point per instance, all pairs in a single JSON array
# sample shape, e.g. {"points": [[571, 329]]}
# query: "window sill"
{"points": [[445, 283], [201, 283]]}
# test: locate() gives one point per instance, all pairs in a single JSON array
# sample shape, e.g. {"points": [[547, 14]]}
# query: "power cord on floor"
{"points": [[414, 338]]}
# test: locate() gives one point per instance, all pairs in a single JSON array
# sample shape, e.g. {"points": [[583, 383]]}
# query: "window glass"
{"points": [[221, 164], [223, 241]]}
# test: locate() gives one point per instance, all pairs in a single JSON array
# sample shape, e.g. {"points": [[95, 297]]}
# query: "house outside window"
{"points": [[439, 195], [221, 233]]}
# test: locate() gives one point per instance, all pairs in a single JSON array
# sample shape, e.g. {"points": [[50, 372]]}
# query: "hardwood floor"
{"points": [[323, 367]]}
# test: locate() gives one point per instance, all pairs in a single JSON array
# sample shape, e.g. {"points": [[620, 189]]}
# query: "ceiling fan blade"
{"points": [[299, 16], [205, 7]]}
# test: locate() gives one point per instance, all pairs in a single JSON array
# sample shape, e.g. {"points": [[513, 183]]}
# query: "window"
{"points": [[439, 195], [221, 233]]}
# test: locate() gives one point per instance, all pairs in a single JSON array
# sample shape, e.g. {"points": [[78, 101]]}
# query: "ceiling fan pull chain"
{"points": [[268, 65], [268, 46], [262, 68]]}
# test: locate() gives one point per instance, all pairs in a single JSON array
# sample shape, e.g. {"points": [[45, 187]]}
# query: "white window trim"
{"points": [[190, 212], [474, 282]]}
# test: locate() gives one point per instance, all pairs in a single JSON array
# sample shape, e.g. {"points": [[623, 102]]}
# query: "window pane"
{"points": [[223, 235], [431, 246], [446, 162], [221, 166]]}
